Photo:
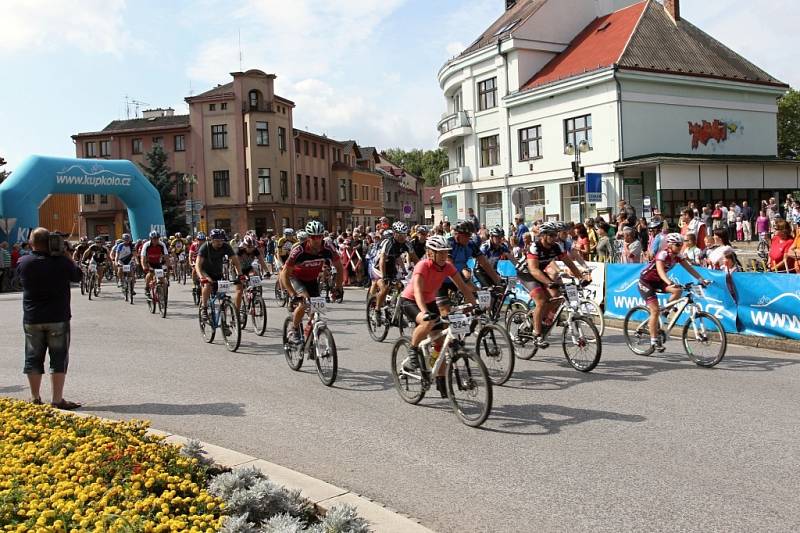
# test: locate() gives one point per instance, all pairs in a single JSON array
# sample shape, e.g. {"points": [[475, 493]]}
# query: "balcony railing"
{"points": [[452, 121], [455, 176]]}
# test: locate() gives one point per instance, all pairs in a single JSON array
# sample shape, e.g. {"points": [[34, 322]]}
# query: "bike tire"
{"points": [[325, 358], [83, 285], [378, 333], [162, 300], [689, 329], [196, 294], [408, 387], [259, 311], [96, 280], [151, 303], [591, 310], [583, 340], [184, 274], [90, 288], [229, 326], [130, 291], [635, 331], [293, 353], [499, 359], [244, 309], [207, 328], [520, 330], [466, 373]]}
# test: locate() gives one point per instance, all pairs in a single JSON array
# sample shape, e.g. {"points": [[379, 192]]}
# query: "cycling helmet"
{"points": [[85, 239], [201, 236], [497, 231], [422, 229], [437, 243], [154, 235], [675, 238], [549, 228], [126, 237], [218, 234], [400, 227], [387, 234], [288, 232], [462, 226], [178, 235], [248, 241], [315, 227], [655, 223], [302, 236]]}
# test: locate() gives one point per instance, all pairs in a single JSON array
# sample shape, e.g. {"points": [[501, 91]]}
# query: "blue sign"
{"points": [[769, 304], [622, 293], [594, 188]]}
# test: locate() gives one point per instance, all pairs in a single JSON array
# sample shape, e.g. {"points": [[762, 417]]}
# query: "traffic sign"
{"points": [[408, 209], [521, 196], [406, 215]]}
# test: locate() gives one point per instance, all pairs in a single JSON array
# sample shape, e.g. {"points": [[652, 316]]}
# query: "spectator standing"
{"points": [[5, 263], [631, 246], [472, 218], [715, 254], [46, 315], [692, 224], [779, 246], [690, 249], [603, 248], [521, 228], [705, 216], [627, 209], [731, 218], [747, 221], [716, 217], [762, 225], [15, 255]]}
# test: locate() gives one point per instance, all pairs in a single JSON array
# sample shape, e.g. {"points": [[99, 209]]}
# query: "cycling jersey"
{"points": [[99, 252], [306, 265], [248, 260], [650, 273], [461, 254], [419, 247], [177, 246], [213, 258], [544, 254], [493, 254], [193, 249], [154, 254], [433, 276], [392, 250], [124, 252], [285, 246]]}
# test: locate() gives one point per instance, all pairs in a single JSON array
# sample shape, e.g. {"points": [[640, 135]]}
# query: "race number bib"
{"points": [[572, 295], [223, 287], [484, 299], [159, 273], [126, 268], [255, 281], [318, 303], [181, 257], [459, 324]]}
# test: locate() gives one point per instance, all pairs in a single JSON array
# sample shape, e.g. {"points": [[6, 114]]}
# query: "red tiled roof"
{"points": [[427, 192], [598, 46]]}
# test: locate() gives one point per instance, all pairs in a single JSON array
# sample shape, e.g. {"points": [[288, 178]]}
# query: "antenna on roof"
{"points": [[132, 102]]}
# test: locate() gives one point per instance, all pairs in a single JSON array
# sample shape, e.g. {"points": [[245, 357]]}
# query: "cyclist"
{"points": [[494, 249], [391, 251], [80, 248], [653, 279], [419, 299], [284, 245], [463, 248], [99, 253], [210, 258], [269, 246], [177, 246], [199, 240], [300, 275], [249, 255], [122, 254], [532, 273], [418, 241], [153, 256]]}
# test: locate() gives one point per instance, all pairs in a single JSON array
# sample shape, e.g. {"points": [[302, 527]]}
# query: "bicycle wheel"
{"points": [[229, 324], [469, 388], [130, 290], [704, 339], [293, 352], [96, 281], [493, 345], [581, 344], [83, 285], [591, 310], [378, 333], [125, 289], [90, 287], [163, 293], [196, 294], [520, 329], [514, 306], [325, 358], [636, 332], [184, 274], [409, 386], [244, 310], [207, 327], [258, 310], [151, 304]]}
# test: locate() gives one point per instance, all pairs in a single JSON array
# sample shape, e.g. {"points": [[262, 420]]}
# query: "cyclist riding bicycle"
{"points": [[391, 251], [653, 280], [123, 253], [419, 299], [177, 246], [99, 253], [418, 241], [81, 248], [300, 273], [249, 255], [463, 248], [210, 259], [153, 256], [532, 273], [494, 249], [284, 245]]}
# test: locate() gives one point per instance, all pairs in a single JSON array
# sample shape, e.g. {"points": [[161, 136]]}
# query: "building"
{"points": [[402, 192], [665, 114], [361, 183], [314, 181], [433, 205]]}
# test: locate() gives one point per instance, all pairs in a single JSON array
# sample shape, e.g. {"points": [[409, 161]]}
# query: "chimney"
{"points": [[510, 4], [673, 7]]}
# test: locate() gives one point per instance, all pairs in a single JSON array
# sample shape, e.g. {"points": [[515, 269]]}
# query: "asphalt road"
{"points": [[653, 444]]}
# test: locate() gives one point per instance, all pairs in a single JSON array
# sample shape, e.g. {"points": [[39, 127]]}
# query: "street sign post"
{"points": [[594, 188], [408, 210], [520, 197]]}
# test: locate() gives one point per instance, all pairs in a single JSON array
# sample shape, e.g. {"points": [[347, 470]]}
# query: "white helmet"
{"points": [[302, 236], [315, 227], [437, 243], [288, 231], [400, 227], [675, 238]]}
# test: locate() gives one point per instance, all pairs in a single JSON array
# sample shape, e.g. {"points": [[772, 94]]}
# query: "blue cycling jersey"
{"points": [[461, 254]]}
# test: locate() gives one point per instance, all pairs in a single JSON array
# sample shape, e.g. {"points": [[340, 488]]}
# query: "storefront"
{"points": [[490, 209]]}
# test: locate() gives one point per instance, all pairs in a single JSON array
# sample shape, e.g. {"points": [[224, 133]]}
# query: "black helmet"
{"points": [[497, 231], [463, 226]]}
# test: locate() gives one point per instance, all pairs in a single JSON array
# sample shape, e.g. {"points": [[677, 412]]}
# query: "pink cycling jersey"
{"points": [[650, 272], [432, 278]]}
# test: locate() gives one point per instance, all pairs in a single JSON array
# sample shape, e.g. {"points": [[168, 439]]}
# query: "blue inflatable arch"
{"points": [[23, 192]]}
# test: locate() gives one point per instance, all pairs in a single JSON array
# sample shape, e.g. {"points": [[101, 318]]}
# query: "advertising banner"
{"points": [[768, 304]]}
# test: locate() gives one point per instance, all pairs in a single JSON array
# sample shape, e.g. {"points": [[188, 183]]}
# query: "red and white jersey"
{"points": [[154, 254], [193, 248]]}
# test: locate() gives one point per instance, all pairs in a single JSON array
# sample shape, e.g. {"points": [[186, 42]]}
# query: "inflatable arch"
{"points": [[23, 192]]}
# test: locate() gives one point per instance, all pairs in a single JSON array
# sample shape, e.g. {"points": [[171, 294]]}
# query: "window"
{"points": [[577, 129], [342, 191], [254, 98], [324, 189], [264, 181], [305, 147], [136, 146], [159, 141], [297, 145], [490, 151], [298, 188], [212, 107], [316, 188], [245, 134], [103, 198], [88, 198], [460, 155], [284, 184], [376, 194], [281, 138], [365, 192], [219, 136], [223, 223], [388, 196], [223, 106], [350, 189], [322, 151], [308, 187], [105, 148], [487, 94], [530, 143], [180, 143], [262, 133], [395, 196], [457, 105], [90, 149], [222, 183], [314, 149]]}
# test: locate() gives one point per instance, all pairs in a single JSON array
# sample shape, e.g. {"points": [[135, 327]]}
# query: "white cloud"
{"points": [[92, 26]]}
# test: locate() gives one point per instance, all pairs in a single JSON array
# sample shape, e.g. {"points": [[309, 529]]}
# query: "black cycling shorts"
{"points": [[411, 310], [311, 288], [650, 290]]}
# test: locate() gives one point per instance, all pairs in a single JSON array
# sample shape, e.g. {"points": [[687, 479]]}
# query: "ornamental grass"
{"points": [[62, 473]]}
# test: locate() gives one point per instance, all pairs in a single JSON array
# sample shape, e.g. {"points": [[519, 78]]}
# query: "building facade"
{"points": [[402, 193], [665, 114], [314, 181]]}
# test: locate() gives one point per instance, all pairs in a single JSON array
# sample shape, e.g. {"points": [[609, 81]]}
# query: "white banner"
{"points": [[596, 289]]}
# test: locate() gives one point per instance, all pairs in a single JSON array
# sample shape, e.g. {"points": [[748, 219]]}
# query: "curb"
{"points": [[323, 495], [770, 343]]}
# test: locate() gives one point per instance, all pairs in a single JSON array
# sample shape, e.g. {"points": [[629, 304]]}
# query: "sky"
{"points": [[357, 69]]}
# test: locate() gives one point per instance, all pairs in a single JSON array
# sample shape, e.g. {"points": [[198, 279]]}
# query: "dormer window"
{"points": [[255, 99]]}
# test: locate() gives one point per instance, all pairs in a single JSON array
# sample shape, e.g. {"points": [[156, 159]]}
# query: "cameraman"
{"points": [[46, 275]]}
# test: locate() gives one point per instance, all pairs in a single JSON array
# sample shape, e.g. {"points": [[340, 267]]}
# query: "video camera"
{"points": [[56, 244]]}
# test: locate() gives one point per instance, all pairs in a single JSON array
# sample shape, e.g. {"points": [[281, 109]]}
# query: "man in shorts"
{"points": [[210, 261]]}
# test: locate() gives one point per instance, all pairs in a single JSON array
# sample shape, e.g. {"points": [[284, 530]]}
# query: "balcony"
{"points": [[455, 176], [453, 125]]}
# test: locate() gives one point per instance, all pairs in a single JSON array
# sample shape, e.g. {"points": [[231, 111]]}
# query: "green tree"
{"points": [[428, 164], [164, 180], [789, 125]]}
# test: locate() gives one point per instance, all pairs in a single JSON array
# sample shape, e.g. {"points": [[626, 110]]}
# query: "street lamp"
{"points": [[583, 147], [190, 180], [431, 199]]}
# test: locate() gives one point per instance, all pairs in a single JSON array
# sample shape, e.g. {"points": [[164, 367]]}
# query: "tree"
{"points": [[428, 164], [164, 181], [789, 125]]}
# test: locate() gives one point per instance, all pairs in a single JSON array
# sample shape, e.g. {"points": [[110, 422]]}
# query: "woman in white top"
{"points": [[715, 254]]}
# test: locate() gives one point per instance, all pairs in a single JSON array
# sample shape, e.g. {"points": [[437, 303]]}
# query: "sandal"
{"points": [[36, 401], [66, 405]]}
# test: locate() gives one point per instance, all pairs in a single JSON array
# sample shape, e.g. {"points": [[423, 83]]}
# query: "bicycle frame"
{"points": [[681, 304], [425, 346]]}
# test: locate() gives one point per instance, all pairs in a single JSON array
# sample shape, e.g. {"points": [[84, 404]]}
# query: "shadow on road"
{"points": [[212, 409], [12, 388], [375, 380], [537, 419]]}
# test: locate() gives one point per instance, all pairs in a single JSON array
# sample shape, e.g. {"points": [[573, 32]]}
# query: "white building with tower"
{"points": [[655, 106]]}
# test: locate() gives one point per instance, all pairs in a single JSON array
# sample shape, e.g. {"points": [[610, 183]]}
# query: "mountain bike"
{"points": [[181, 268], [390, 314], [469, 387], [492, 342], [93, 283], [704, 339], [316, 341], [109, 271], [196, 290], [253, 306], [221, 314], [158, 293], [580, 340], [281, 294], [127, 281], [327, 285]]}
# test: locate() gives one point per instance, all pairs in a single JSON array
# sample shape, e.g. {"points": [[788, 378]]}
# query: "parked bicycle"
{"points": [[222, 315], [704, 339], [159, 293], [253, 307], [316, 341]]}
